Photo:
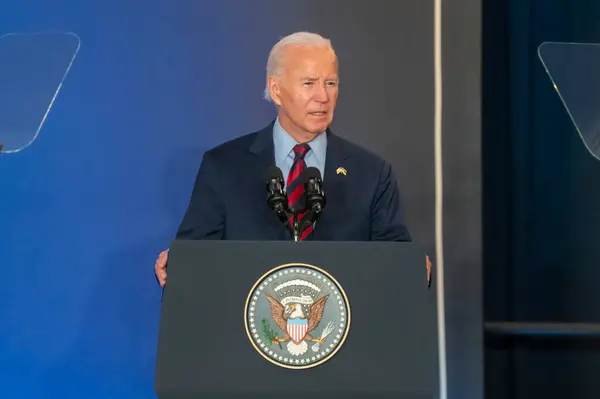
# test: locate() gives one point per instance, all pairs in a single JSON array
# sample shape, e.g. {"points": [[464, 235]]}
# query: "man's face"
{"points": [[307, 92]]}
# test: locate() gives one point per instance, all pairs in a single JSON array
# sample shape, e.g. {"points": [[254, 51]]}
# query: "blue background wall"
{"points": [[86, 209]]}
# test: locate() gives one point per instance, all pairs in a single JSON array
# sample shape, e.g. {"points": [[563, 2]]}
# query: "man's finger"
{"points": [[160, 268], [162, 259], [161, 273], [162, 279]]}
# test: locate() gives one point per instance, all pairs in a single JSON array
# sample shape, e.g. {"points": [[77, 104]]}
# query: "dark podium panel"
{"points": [[205, 351]]}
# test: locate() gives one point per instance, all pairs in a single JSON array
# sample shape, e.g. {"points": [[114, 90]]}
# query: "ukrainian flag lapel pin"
{"points": [[341, 171]]}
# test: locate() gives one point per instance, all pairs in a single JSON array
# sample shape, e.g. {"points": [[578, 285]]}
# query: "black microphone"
{"points": [[313, 187], [315, 196], [277, 199]]}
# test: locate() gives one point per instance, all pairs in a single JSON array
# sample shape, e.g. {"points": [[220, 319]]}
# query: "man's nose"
{"points": [[321, 94]]}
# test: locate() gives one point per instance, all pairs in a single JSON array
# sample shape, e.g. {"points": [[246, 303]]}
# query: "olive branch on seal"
{"points": [[268, 333]]}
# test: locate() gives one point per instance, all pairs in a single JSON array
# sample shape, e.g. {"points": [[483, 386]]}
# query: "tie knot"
{"points": [[301, 149]]}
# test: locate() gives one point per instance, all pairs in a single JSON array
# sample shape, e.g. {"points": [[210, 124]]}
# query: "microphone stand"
{"points": [[296, 229], [308, 220], [284, 217]]}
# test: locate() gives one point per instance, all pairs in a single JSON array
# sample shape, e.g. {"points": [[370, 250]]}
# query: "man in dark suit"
{"points": [[229, 196]]}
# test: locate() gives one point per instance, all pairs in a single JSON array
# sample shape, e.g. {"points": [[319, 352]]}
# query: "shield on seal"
{"points": [[297, 329]]}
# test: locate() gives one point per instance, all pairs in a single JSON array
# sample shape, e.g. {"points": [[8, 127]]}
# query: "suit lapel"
{"points": [[264, 156], [334, 185], [263, 144]]}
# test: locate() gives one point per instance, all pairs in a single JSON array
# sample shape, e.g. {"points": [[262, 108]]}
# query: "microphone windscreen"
{"points": [[274, 173], [311, 173]]}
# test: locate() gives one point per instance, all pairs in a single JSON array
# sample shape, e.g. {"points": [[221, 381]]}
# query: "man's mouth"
{"points": [[319, 113]]}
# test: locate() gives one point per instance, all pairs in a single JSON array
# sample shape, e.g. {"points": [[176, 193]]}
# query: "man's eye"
{"points": [[308, 83]]}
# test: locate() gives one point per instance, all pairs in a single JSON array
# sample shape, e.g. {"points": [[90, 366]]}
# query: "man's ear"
{"points": [[274, 89]]}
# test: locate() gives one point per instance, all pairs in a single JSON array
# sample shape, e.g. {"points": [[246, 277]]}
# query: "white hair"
{"points": [[275, 60]]}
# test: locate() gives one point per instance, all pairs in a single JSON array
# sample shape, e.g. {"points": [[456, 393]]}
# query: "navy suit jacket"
{"points": [[229, 199]]}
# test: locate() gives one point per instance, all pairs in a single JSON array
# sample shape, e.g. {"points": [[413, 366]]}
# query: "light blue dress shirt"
{"points": [[284, 151]]}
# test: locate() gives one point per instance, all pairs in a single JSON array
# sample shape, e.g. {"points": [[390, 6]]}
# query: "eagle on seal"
{"points": [[291, 319]]}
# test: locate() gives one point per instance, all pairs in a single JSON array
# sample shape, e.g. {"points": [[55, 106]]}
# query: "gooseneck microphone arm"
{"points": [[284, 216]]}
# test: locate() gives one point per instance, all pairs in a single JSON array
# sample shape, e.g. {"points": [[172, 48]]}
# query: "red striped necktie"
{"points": [[295, 188]]}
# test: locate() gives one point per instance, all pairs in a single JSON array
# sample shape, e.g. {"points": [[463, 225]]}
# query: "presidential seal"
{"points": [[297, 316]]}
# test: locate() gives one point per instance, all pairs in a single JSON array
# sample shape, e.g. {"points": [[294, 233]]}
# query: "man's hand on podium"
{"points": [[428, 268], [160, 267]]}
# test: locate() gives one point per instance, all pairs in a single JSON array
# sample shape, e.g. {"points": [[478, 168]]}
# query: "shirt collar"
{"points": [[284, 144]]}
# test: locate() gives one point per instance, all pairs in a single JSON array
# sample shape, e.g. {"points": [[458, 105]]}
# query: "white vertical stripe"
{"points": [[439, 191]]}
